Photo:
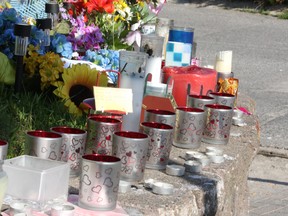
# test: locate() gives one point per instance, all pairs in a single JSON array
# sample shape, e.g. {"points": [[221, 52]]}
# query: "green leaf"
{"points": [[62, 28], [7, 70]]}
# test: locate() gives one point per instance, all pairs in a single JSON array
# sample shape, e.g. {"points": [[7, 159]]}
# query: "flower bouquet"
{"points": [[86, 30]]}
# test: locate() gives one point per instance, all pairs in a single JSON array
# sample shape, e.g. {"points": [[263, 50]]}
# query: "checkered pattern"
{"points": [[178, 54]]}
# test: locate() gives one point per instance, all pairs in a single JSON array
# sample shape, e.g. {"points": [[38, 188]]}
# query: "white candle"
{"points": [[223, 62], [153, 66]]}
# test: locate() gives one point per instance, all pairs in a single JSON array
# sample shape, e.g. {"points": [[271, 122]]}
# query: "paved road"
{"points": [[260, 58]]}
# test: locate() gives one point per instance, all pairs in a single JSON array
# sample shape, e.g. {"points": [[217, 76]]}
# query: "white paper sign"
{"points": [[108, 98]]}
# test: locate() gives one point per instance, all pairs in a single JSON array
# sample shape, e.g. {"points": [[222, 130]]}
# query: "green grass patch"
{"points": [[20, 113], [283, 15]]}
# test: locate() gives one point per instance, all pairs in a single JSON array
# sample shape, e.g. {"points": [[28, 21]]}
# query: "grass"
{"points": [[20, 113], [284, 15]]}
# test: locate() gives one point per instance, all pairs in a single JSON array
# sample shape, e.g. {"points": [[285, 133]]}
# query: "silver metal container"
{"points": [[189, 127], [199, 101], [223, 98], [100, 134], [160, 116], [43, 144], [73, 146], [218, 124], [99, 182], [132, 148], [160, 144], [3, 149]]}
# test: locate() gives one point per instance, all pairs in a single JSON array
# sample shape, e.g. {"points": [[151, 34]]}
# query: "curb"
{"points": [[273, 152]]}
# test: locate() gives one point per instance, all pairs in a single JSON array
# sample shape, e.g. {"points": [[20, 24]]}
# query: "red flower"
{"points": [[100, 6]]}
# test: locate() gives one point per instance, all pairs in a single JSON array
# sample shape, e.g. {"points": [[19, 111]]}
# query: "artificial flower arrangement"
{"points": [[89, 30]]}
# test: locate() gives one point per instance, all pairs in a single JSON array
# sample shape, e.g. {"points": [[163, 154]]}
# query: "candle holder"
{"points": [[153, 46], [133, 76], [45, 25], [52, 10], [22, 33]]}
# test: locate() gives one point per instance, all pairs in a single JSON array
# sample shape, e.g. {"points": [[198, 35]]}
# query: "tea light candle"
{"points": [[62, 210], [162, 188], [175, 170]]}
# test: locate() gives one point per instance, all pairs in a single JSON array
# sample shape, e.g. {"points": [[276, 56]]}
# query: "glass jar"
{"points": [[3, 183]]}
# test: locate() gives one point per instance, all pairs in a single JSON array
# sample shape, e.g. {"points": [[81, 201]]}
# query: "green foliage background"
{"points": [[20, 113]]}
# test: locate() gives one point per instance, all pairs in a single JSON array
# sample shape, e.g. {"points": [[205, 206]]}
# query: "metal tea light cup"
{"points": [[43, 144], [160, 116], [160, 144], [199, 101], [218, 124], [3, 149], [132, 148], [100, 134], [223, 98], [99, 182], [73, 146], [189, 127]]}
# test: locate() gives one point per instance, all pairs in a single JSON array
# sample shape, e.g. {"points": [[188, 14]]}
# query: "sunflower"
{"points": [[77, 85]]}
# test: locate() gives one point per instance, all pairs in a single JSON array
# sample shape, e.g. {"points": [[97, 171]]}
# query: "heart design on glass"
{"points": [[77, 150], [185, 139], [199, 132], [52, 155], [44, 149], [184, 121], [98, 175], [129, 154], [96, 189], [99, 199], [151, 133], [81, 141], [86, 180], [108, 182], [53, 145], [75, 142], [86, 168], [89, 199], [200, 105], [192, 127], [104, 129], [109, 171], [73, 157], [63, 147], [115, 189], [124, 160], [224, 101], [108, 137], [183, 131], [192, 118]]}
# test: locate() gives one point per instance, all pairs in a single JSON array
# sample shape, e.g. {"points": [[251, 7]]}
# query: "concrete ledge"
{"points": [[221, 189]]}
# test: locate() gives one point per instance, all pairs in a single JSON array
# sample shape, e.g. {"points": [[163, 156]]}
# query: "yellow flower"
{"points": [[77, 85]]}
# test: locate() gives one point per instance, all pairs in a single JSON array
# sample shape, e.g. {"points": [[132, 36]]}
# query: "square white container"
{"points": [[36, 179]]}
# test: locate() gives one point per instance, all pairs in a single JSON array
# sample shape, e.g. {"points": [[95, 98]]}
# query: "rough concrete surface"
{"points": [[220, 189]]}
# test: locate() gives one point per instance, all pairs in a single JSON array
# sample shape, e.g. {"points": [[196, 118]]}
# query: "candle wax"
{"points": [[193, 75]]}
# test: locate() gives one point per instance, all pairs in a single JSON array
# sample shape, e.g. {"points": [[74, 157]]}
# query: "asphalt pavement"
{"points": [[260, 62], [260, 58]]}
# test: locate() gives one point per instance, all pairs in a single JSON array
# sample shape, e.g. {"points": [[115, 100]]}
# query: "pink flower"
{"points": [[156, 8]]}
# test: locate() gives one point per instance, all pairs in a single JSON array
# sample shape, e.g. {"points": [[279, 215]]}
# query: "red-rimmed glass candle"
{"points": [[73, 146], [160, 143], [223, 98], [132, 148], [218, 124], [99, 182], [160, 116], [43, 144], [100, 131], [189, 127], [199, 101], [3, 149]]}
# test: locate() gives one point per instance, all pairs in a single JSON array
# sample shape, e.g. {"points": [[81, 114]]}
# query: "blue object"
{"points": [[183, 35]]}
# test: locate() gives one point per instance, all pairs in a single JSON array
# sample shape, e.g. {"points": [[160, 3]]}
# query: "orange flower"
{"points": [[100, 6]]}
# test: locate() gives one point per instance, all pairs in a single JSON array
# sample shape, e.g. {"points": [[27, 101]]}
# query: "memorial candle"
{"points": [[190, 75]]}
